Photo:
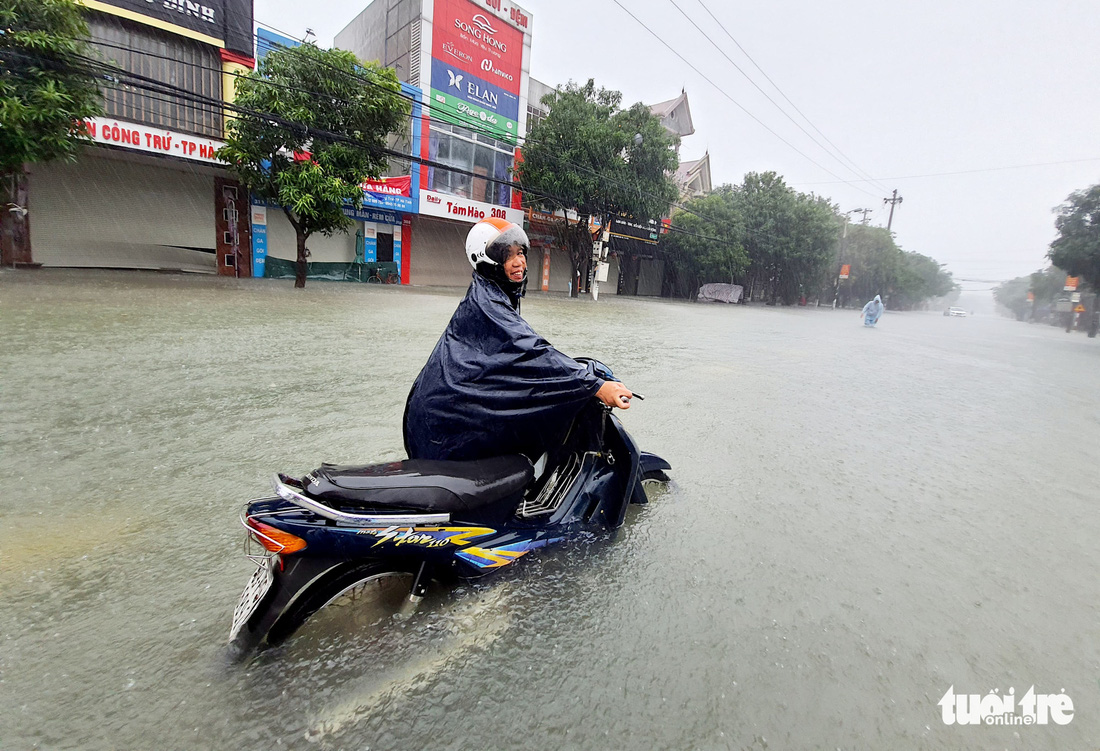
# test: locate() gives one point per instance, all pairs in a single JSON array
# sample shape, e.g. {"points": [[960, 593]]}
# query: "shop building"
{"points": [[633, 264], [372, 250], [149, 193], [471, 61]]}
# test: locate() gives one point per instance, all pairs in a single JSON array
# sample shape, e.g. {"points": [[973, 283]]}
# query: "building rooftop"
{"points": [[675, 115]]}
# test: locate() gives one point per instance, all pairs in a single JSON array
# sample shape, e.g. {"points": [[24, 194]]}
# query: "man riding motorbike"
{"points": [[493, 386]]}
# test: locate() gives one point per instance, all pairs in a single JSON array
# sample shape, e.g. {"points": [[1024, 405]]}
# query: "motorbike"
{"points": [[376, 536]]}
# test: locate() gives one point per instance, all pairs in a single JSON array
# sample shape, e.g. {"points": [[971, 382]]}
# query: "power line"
{"points": [[169, 93], [758, 88], [739, 105], [560, 159], [969, 172], [855, 167]]}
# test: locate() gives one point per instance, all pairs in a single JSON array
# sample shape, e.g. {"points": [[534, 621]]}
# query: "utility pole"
{"points": [[892, 201], [840, 255]]}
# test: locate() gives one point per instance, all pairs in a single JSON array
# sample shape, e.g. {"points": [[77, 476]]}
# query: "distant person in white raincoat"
{"points": [[872, 311]]}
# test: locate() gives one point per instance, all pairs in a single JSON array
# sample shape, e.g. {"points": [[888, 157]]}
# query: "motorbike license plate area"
{"points": [[253, 593]]}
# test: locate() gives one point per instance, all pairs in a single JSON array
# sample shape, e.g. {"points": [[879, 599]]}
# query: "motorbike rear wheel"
{"points": [[352, 599]]}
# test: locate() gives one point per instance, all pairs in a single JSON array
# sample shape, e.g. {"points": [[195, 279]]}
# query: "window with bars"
{"points": [[166, 58]]}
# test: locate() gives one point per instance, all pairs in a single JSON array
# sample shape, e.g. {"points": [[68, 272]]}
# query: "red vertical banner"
{"points": [[546, 269], [517, 196], [406, 247]]}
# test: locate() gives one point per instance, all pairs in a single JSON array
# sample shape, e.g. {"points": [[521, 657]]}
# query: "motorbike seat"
{"points": [[484, 490]]}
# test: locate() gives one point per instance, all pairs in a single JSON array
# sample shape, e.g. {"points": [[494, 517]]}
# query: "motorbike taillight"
{"points": [[274, 539]]}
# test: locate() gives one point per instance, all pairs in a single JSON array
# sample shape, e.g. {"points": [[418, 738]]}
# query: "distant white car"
{"points": [[955, 312]]}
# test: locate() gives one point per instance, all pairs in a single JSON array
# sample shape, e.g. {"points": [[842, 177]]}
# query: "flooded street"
{"points": [[858, 521]]}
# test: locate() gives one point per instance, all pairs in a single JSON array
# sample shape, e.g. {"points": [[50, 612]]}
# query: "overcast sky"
{"points": [[905, 90]]}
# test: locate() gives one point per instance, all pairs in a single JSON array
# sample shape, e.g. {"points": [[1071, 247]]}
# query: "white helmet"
{"points": [[489, 241]]}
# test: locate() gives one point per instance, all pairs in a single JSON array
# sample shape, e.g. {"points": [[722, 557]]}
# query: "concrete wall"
{"points": [[339, 248], [365, 35], [282, 242]]}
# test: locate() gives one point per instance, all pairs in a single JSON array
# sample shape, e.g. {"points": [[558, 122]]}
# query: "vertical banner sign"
{"points": [[845, 270], [477, 65], [406, 248], [370, 242], [259, 237]]}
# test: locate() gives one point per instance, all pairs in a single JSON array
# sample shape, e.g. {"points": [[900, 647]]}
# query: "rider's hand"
{"points": [[614, 394]]}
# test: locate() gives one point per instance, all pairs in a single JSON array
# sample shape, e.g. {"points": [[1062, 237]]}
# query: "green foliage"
{"points": [[905, 279], [790, 237], [780, 244], [586, 156], [918, 278], [1077, 248], [45, 92], [1013, 296], [314, 102], [704, 244], [1046, 287], [776, 242]]}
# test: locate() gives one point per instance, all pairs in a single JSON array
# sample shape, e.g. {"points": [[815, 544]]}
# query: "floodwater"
{"points": [[859, 520]]}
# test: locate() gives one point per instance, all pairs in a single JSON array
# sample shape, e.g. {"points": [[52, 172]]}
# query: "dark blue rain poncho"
{"points": [[492, 386]]}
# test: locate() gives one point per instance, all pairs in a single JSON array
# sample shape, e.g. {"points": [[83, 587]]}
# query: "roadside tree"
{"points": [[790, 237], [1044, 288], [1012, 296], [1077, 247], [704, 244], [919, 278], [312, 127], [46, 92], [597, 160]]}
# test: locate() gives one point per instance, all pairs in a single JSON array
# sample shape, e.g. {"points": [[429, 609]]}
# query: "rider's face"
{"points": [[515, 265]]}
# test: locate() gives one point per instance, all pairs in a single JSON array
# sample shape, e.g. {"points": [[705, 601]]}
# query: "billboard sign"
{"points": [[454, 82], [139, 137], [367, 214], [390, 193], [465, 210], [845, 271], [477, 67], [229, 21], [267, 40], [633, 230], [1071, 283]]}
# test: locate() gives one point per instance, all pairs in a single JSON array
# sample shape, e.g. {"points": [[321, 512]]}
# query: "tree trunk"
{"points": [[15, 226], [300, 267], [578, 252]]}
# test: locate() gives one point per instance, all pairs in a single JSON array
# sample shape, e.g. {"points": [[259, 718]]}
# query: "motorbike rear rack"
{"points": [[284, 490]]}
